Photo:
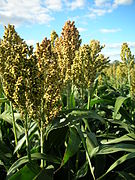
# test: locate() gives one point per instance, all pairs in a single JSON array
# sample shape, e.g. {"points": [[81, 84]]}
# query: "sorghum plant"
{"points": [[87, 62], [66, 46], [127, 60], [19, 71]]}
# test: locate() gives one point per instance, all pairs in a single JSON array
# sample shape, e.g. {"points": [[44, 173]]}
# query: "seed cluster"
{"points": [[66, 46], [33, 81], [16, 64], [87, 63], [48, 66], [126, 55], [29, 77], [132, 88]]}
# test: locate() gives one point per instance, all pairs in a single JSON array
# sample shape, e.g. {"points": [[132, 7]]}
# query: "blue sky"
{"points": [[109, 21]]}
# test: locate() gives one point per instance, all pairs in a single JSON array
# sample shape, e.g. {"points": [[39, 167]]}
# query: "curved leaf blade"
{"points": [[119, 101], [34, 156], [118, 162]]}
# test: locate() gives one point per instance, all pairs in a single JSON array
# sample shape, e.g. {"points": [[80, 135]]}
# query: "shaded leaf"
{"points": [[72, 100], [108, 149], [82, 171], [72, 146], [127, 137], [125, 175], [20, 143], [118, 162], [118, 103], [28, 172], [34, 156], [85, 147], [91, 142], [6, 116], [46, 173]]}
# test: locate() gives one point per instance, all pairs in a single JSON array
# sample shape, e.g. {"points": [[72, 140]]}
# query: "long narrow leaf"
{"points": [[127, 137], [118, 103], [85, 147], [108, 149], [118, 162], [23, 139], [34, 156], [72, 146]]}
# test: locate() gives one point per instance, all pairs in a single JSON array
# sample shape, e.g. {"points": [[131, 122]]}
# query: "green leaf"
{"points": [[108, 149], [6, 116], [45, 174], [56, 137], [119, 101], [100, 101], [0, 135], [71, 117], [118, 162], [82, 171], [2, 100], [5, 152], [28, 172], [72, 100], [125, 175], [34, 156], [91, 142], [72, 146], [1, 163], [125, 124], [20, 143], [127, 137], [81, 134], [80, 114]]}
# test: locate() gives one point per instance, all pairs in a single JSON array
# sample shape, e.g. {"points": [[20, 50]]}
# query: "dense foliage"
{"points": [[66, 112]]}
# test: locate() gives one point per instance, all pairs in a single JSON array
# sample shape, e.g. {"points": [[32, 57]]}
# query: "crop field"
{"points": [[66, 111]]}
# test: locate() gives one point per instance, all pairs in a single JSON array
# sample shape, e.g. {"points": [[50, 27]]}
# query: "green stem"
{"points": [[14, 126], [68, 96], [42, 144], [89, 99], [27, 138], [42, 165], [129, 81], [91, 168]]}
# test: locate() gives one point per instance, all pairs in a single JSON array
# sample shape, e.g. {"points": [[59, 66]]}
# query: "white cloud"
{"points": [[113, 50], [23, 11], [97, 12], [102, 7], [110, 30], [31, 42], [123, 2], [80, 29], [99, 3], [75, 4], [100, 11], [55, 5], [118, 45], [113, 45]]}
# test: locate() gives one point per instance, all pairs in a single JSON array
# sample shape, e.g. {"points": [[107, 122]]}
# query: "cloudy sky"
{"points": [[110, 21]]}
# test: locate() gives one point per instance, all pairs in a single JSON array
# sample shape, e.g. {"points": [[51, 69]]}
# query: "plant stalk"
{"points": [[89, 99], [42, 144], [27, 138], [14, 126], [129, 80], [68, 96], [42, 164]]}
